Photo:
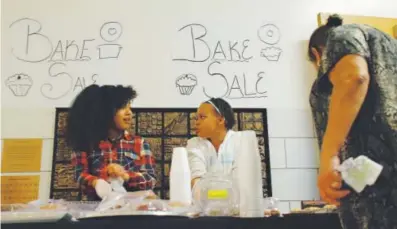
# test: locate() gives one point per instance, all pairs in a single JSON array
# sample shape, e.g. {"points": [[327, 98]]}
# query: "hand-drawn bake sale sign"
{"points": [[32, 47], [51, 68], [224, 59]]}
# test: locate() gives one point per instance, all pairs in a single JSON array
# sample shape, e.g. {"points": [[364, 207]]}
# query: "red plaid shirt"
{"points": [[131, 152]]}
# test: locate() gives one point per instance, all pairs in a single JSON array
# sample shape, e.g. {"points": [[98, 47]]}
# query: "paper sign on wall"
{"points": [[19, 189], [21, 155]]}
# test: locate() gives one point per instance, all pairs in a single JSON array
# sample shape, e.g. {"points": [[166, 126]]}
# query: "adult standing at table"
{"points": [[354, 104]]}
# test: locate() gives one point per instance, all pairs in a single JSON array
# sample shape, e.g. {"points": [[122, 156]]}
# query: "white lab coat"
{"points": [[238, 156], [202, 155]]}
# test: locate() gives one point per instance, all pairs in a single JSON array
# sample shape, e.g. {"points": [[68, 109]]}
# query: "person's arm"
{"points": [[145, 178], [350, 80], [344, 70], [197, 163], [82, 175]]}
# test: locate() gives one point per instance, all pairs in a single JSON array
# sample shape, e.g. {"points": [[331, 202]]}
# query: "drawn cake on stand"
{"points": [[271, 53], [186, 83], [109, 51], [19, 84]]}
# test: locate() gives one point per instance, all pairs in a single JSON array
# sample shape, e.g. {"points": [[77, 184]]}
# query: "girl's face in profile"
{"points": [[123, 117], [208, 121]]}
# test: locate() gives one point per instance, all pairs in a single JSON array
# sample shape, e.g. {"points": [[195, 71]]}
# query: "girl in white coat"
{"points": [[215, 120], [235, 153]]}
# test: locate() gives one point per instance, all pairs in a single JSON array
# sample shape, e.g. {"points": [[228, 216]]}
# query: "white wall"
{"points": [[293, 148]]}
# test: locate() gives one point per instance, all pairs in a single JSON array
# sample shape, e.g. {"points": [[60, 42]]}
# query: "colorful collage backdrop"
{"points": [[164, 129]]}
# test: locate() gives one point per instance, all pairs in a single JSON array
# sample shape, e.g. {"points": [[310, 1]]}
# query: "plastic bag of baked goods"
{"points": [[112, 201], [51, 204], [270, 205], [216, 195], [35, 211], [144, 194], [161, 207], [14, 207]]}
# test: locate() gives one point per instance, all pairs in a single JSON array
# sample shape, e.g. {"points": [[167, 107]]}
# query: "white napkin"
{"points": [[360, 172], [102, 188], [117, 185]]}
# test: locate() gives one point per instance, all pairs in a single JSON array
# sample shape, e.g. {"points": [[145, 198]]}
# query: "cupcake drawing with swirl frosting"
{"points": [[19, 84], [186, 83]]}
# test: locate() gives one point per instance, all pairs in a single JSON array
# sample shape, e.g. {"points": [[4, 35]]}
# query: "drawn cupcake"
{"points": [[186, 83], [271, 53], [19, 84]]}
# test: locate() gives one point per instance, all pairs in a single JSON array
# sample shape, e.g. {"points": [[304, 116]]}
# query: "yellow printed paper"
{"points": [[19, 189], [21, 155], [217, 194]]}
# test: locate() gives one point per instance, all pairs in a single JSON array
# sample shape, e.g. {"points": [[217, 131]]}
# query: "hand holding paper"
{"points": [[360, 172]]}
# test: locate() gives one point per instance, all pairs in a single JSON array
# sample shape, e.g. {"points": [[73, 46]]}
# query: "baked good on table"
{"points": [[151, 206], [49, 207], [325, 209], [330, 207], [12, 207], [215, 212], [151, 197], [272, 212], [176, 204], [143, 207]]}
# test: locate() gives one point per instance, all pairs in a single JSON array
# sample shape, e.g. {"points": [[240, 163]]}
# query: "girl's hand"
{"points": [[116, 170]]}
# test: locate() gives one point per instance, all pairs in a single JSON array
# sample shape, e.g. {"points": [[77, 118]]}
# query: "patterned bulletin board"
{"points": [[164, 129]]}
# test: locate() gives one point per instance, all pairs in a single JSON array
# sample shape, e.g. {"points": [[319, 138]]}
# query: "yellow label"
{"points": [[217, 194], [19, 189], [21, 155]]}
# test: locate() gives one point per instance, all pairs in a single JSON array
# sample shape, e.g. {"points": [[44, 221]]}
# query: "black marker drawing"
{"points": [[269, 34], [71, 50], [186, 83], [271, 53], [110, 32], [257, 85], [81, 82], [47, 88], [232, 61], [19, 84], [196, 39], [250, 97], [109, 51], [41, 48], [241, 86]]}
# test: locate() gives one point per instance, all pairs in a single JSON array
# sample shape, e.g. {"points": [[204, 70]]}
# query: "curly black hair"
{"points": [[225, 110], [91, 115]]}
